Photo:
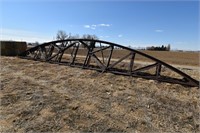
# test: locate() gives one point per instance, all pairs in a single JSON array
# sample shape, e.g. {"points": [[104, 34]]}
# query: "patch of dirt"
{"points": [[42, 97]]}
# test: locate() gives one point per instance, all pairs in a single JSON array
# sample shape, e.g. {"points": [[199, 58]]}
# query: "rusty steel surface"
{"points": [[101, 54]]}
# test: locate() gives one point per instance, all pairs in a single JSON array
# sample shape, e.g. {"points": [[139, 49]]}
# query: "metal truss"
{"points": [[107, 57]]}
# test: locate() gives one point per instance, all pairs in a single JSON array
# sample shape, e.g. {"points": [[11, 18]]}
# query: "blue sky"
{"points": [[128, 22]]}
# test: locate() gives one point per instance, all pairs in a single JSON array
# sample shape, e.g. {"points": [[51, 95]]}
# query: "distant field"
{"points": [[179, 58], [170, 57], [174, 57]]}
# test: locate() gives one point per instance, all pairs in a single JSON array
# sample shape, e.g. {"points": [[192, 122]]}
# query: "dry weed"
{"points": [[42, 97]]}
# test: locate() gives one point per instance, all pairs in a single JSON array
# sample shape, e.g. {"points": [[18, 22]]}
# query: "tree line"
{"points": [[158, 48], [62, 35]]}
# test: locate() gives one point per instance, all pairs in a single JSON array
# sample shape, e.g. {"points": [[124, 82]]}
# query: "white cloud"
{"points": [[104, 25], [86, 26], [120, 35], [94, 26], [159, 31], [23, 35]]}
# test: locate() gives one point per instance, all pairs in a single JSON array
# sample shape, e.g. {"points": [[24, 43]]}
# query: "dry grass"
{"points": [[170, 57], [175, 57], [43, 97]]}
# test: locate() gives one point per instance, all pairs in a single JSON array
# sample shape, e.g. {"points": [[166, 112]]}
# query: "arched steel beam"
{"points": [[53, 52]]}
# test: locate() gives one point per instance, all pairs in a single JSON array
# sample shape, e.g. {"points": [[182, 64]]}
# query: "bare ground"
{"points": [[43, 97]]}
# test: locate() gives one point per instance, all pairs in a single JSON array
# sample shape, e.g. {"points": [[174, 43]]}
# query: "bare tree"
{"points": [[61, 35], [88, 36], [168, 47], [89, 43]]}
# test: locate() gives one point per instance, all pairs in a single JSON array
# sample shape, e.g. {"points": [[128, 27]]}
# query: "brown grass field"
{"points": [[42, 97], [170, 57], [175, 57]]}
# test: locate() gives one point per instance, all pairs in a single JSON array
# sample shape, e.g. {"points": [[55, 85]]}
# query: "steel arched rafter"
{"points": [[101, 52]]}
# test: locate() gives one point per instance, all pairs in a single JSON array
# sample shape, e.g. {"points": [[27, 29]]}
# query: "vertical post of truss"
{"points": [[131, 62], [158, 69], [74, 57], [37, 53], [110, 55], [88, 57], [49, 51], [61, 54], [102, 53]]}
